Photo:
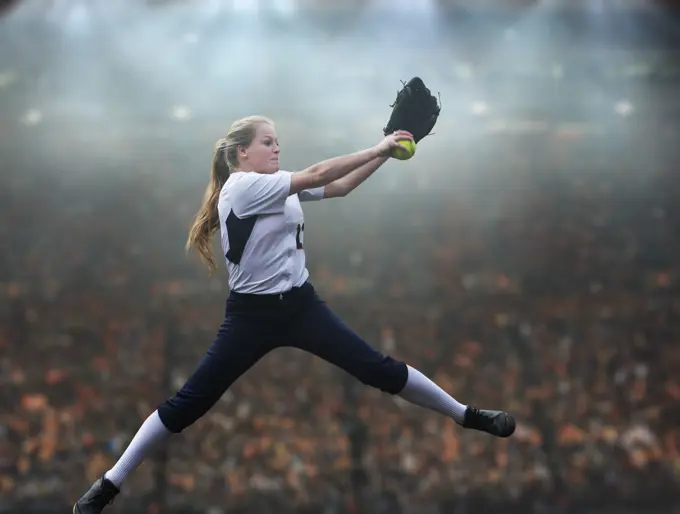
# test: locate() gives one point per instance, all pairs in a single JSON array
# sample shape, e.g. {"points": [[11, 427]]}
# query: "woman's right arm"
{"points": [[330, 170]]}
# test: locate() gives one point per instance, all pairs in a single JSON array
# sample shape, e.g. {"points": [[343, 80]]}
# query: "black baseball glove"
{"points": [[415, 110]]}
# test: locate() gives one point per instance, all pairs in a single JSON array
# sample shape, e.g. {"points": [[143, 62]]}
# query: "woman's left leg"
{"points": [[320, 331]]}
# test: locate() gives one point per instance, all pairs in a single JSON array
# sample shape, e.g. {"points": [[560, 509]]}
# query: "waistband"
{"points": [[294, 294]]}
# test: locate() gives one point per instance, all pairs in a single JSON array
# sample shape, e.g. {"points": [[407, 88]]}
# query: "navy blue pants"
{"points": [[256, 324]]}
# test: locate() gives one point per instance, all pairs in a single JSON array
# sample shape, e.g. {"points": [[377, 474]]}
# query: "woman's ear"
{"points": [[242, 153]]}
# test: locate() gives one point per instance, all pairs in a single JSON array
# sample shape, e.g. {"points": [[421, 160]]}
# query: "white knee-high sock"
{"points": [[152, 432], [421, 391]]}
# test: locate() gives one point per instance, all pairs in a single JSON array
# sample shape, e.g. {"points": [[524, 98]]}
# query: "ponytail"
{"points": [[207, 221], [225, 158]]}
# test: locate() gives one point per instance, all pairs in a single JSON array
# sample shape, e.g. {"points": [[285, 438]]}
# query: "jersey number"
{"points": [[300, 237]]}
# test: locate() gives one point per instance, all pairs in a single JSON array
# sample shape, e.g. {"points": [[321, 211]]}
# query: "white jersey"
{"points": [[262, 228]]}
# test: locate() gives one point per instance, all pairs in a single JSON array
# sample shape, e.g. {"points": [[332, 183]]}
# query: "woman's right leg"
{"points": [[230, 355], [240, 343]]}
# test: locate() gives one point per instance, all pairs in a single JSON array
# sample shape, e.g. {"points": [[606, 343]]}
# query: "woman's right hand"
{"points": [[392, 141]]}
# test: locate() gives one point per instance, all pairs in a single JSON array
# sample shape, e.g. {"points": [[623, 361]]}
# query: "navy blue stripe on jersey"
{"points": [[238, 231]]}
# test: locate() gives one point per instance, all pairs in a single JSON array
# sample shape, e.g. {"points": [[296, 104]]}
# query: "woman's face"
{"points": [[262, 155]]}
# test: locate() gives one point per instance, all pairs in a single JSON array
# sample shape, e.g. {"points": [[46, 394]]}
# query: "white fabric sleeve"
{"points": [[259, 193], [311, 195]]}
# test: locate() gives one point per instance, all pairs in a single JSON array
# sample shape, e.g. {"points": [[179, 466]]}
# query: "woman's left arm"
{"points": [[348, 183]]}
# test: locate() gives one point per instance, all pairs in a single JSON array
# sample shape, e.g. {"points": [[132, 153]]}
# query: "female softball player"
{"points": [[271, 302]]}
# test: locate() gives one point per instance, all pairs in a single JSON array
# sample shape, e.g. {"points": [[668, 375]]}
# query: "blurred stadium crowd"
{"points": [[528, 265], [544, 283]]}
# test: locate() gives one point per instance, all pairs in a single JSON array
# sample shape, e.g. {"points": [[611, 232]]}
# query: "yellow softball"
{"points": [[405, 151]]}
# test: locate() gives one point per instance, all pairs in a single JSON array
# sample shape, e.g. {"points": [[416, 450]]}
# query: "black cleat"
{"points": [[99, 496], [498, 423]]}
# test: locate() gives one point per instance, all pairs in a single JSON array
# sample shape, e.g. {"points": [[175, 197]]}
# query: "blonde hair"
{"points": [[225, 158]]}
